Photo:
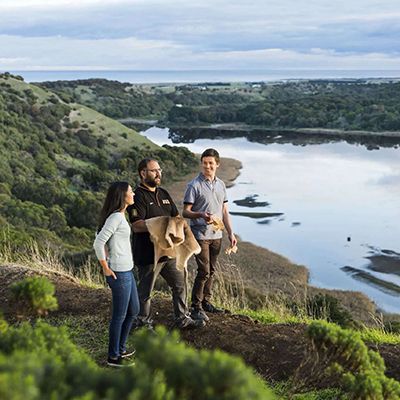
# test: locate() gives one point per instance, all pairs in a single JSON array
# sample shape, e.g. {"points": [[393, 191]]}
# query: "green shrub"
{"points": [[392, 326], [35, 294], [198, 375], [341, 353], [324, 306], [42, 363]]}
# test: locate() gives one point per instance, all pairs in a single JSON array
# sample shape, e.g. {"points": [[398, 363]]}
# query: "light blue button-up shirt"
{"points": [[205, 196]]}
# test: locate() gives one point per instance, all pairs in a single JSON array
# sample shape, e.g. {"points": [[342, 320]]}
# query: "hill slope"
{"points": [[275, 351], [56, 161]]}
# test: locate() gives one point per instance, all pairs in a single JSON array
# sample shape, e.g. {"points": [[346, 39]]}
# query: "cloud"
{"points": [[132, 53], [352, 31]]}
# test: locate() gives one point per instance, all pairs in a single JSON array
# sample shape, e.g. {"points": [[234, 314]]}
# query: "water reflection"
{"points": [[371, 142]]}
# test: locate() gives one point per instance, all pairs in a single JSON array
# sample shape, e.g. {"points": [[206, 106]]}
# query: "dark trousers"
{"points": [[175, 278], [206, 263], [125, 308]]}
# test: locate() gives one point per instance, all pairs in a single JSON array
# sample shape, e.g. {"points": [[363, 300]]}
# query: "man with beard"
{"points": [[153, 201]]}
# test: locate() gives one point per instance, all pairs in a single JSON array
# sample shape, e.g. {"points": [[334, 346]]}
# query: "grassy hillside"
{"points": [[57, 159], [115, 99]]}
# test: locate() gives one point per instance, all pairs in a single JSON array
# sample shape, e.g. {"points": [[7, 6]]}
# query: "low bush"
{"points": [[35, 295], [41, 363], [324, 306], [342, 354], [198, 375]]}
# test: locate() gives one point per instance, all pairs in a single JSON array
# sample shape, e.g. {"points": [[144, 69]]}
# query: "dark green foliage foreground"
{"points": [[342, 354], [35, 295], [54, 172], [41, 362]]}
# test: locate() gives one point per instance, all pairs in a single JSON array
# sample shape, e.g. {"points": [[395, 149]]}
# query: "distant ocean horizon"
{"points": [[202, 76]]}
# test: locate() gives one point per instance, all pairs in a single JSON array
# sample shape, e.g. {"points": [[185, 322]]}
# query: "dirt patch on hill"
{"points": [[73, 298], [275, 351]]}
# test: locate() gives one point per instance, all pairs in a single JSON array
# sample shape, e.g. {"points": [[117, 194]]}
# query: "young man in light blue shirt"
{"points": [[205, 200]]}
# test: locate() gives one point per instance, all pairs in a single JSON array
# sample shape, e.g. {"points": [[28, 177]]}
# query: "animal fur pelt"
{"points": [[173, 238]]}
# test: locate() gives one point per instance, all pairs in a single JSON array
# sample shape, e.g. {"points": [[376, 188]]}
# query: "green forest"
{"points": [[344, 105], [57, 159]]}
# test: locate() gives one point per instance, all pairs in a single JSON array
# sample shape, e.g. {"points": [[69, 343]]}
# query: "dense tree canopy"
{"points": [[348, 105]]}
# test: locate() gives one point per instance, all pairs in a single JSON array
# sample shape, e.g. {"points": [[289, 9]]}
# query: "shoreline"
{"points": [[268, 274], [305, 131], [245, 128]]}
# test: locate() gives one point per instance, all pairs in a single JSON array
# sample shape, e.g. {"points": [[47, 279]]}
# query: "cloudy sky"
{"points": [[194, 34]]}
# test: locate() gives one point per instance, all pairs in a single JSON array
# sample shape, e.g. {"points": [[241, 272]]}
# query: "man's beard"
{"points": [[151, 182]]}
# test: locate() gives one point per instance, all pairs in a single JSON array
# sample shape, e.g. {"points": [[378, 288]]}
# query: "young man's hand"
{"points": [[208, 217], [233, 240]]}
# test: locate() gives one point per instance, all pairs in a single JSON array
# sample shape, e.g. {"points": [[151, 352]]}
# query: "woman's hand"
{"points": [[107, 271]]}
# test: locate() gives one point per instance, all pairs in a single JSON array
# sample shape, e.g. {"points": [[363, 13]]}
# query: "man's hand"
{"points": [[208, 217], [233, 240]]}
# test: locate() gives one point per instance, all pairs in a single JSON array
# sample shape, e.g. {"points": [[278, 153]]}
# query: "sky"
{"points": [[199, 35]]}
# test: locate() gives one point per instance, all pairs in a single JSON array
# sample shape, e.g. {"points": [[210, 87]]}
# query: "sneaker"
{"points": [[208, 307], [117, 362], [128, 353], [190, 323], [199, 314]]}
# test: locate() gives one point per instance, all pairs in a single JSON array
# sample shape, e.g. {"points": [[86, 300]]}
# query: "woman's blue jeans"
{"points": [[125, 308]]}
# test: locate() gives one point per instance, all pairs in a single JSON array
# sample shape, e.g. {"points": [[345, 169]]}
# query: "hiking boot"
{"points": [[190, 323], [208, 307], [148, 324], [117, 362], [128, 353], [199, 315]]}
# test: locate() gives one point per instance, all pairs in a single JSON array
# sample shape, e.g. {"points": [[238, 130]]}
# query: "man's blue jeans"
{"points": [[125, 308]]}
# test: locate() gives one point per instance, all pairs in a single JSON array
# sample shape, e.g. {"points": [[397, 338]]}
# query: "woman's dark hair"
{"points": [[115, 201], [210, 153]]}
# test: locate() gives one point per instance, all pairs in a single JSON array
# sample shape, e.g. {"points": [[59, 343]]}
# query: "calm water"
{"points": [[327, 194], [205, 76]]}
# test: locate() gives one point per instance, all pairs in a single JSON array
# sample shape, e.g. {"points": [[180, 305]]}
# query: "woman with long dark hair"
{"points": [[114, 232]]}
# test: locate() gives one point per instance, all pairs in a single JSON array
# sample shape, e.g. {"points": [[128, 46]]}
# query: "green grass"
{"points": [[42, 95], [284, 316], [325, 394], [85, 93], [379, 336], [284, 391], [269, 316], [89, 332], [118, 134], [66, 159]]}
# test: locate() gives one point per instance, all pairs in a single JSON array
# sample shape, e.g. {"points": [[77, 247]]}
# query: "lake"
{"points": [[340, 204]]}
